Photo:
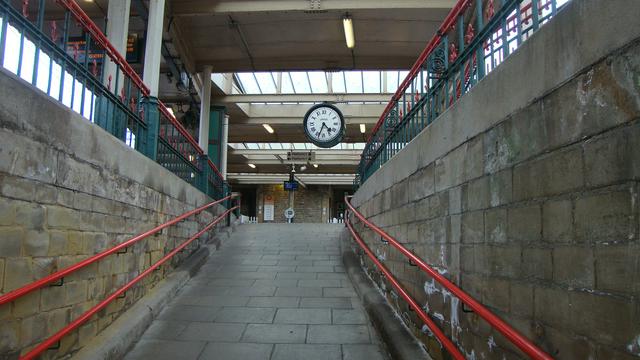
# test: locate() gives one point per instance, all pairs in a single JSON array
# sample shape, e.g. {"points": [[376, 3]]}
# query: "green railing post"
{"points": [[202, 182], [480, 25], [149, 142]]}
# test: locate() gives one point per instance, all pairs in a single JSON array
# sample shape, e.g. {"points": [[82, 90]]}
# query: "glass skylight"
{"points": [[301, 83], [317, 82]]}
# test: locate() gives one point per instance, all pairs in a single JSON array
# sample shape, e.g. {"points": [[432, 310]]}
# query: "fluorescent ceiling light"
{"points": [[315, 165], [268, 128], [363, 129], [252, 166], [348, 32]]}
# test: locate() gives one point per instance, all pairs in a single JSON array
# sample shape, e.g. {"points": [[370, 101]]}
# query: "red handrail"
{"points": [[85, 21], [433, 43], [444, 340], [85, 316], [510, 333], [12, 295]]}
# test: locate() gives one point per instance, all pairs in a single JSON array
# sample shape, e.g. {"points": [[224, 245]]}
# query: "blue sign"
{"points": [[291, 185]]}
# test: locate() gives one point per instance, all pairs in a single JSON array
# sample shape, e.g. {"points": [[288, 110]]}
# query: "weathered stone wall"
{"points": [[308, 203], [525, 193], [69, 190]]}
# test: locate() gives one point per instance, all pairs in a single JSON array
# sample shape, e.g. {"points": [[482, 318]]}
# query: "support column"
{"points": [[205, 105], [152, 52], [223, 147], [117, 33]]}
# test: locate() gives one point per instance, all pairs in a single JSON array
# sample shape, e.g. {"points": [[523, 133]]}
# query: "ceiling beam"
{"points": [[319, 153], [310, 98], [278, 114], [204, 8], [309, 179], [298, 120], [341, 162]]}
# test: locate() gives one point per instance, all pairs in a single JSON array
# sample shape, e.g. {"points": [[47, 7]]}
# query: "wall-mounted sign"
{"points": [[291, 185], [76, 49], [269, 208]]}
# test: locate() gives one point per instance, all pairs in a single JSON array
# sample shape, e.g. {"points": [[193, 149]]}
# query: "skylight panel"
{"points": [[401, 76], [354, 81], [248, 82], [266, 82], [300, 82], [318, 81], [392, 81], [338, 82], [371, 80], [218, 79]]}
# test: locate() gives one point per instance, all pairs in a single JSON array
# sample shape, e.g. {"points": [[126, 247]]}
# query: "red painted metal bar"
{"points": [[510, 333], [444, 340], [87, 315], [178, 125], [13, 295], [449, 21], [211, 165], [85, 21]]}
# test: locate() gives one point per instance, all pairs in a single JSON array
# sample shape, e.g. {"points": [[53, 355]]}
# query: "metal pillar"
{"points": [[205, 104], [117, 33], [152, 52], [223, 147]]}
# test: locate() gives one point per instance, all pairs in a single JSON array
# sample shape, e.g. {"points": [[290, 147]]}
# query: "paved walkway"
{"points": [[271, 292]]}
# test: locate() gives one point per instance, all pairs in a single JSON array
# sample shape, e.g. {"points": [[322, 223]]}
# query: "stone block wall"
{"points": [[531, 207], [69, 190], [308, 203]]}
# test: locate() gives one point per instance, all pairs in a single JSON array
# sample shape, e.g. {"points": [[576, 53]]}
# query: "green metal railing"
{"points": [[475, 38], [76, 65]]}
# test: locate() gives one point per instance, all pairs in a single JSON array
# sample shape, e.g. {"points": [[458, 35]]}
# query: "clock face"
{"points": [[324, 125]]}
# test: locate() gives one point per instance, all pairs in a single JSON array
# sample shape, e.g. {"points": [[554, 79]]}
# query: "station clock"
{"points": [[324, 125]]}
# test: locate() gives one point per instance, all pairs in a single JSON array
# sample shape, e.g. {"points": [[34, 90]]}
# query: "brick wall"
{"points": [[69, 190], [536, 214], [308, 203]]}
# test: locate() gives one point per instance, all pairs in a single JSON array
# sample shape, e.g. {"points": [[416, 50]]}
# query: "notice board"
{"points": [[268, 207]]}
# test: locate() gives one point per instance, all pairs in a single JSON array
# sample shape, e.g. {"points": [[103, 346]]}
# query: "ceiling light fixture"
{"points": [[363, 129], [347, 22], [252, 166], [268, 128], [315, 166]]}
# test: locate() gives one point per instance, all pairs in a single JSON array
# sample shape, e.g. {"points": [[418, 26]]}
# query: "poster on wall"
{"points": [[268, 208]]}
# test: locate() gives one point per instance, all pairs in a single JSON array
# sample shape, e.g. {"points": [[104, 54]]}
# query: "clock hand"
{"points": [[322, 127]]}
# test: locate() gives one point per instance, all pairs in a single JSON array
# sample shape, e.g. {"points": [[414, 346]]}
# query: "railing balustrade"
{"points": [[475, 38], [67, 56]]}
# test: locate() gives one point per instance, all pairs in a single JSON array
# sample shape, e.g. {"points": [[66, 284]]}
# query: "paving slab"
{"points": [[205, 331], [275, 333], [303, 316], [338, 334], [307, 352], [246, 315], [273, 292], [236, 351], [166, 350]]}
